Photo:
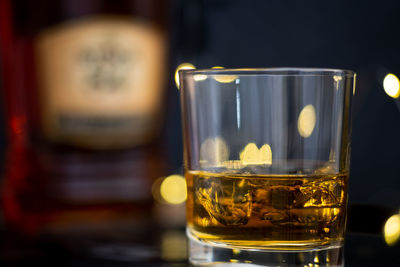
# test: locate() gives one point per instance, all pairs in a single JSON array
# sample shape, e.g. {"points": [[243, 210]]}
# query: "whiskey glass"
{"points": [[266, 160]]}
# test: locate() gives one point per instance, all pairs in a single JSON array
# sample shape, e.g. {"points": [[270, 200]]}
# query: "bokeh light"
{"points": [[173, 189], [316, 259], [214, 151], [391, 85], [392, 230], [251, 155], [306, 121], [224, 78], [199, 77], [173, 246], [183, 66]]}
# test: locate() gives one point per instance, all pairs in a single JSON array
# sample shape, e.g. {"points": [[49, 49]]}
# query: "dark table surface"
{"points": [[166, 245]]}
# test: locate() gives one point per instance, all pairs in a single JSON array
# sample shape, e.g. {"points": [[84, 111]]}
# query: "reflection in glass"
{"points": [[214, 151], [224, 78], [251, 155], [173, 246], [306, 121]]}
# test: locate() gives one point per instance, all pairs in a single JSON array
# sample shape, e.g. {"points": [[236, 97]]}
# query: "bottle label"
{"points": [[100, 82]]}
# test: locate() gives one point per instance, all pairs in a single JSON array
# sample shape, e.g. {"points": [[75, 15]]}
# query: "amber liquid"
{"points": [[287, 212]]}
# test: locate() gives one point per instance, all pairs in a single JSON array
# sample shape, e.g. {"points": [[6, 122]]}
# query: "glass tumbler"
{"points": [[266, 160]]}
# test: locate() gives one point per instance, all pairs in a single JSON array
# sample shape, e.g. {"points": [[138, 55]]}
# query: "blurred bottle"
{"points": [[84, 91]]}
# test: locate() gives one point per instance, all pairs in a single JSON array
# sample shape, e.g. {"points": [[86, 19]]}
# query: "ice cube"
{"points": [[319, 194], [229, 202], [282, 197], [275, 217]]}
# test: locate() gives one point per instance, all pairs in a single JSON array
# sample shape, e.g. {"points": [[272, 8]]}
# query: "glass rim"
{"points": [[274, 71]]}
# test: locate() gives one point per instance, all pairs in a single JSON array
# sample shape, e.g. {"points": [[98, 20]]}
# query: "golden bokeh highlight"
{"points": [[392, 230], [224, 78], [173, 189], [214, 151], [251, 155], [391, 85], [236, 251], [200, 77], [183, 66], [173, 246], [306, 121]]}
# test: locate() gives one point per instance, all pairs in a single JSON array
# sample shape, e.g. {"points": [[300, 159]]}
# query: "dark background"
{"points": [[362, 36], [357, 35]]}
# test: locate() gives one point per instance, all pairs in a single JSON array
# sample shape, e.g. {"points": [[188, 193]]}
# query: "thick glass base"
{"points": [[204, 254]]}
